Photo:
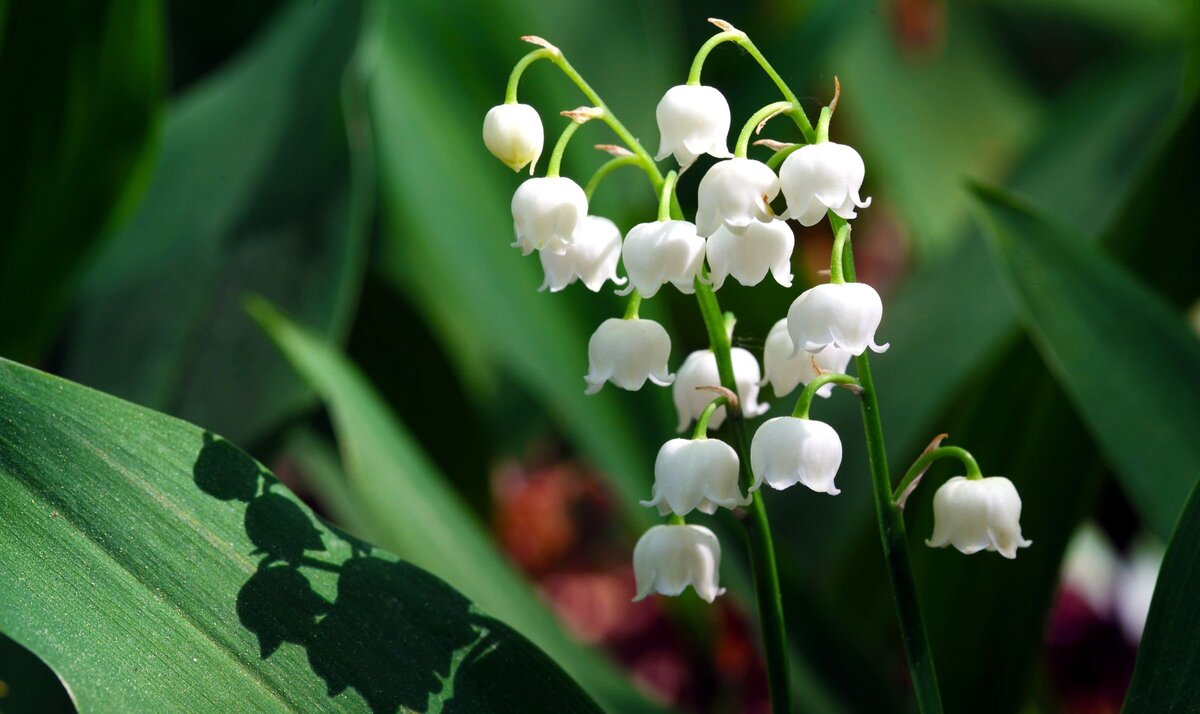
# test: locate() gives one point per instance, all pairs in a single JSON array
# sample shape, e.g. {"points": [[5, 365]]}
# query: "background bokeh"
{"points": [[163, 160]]}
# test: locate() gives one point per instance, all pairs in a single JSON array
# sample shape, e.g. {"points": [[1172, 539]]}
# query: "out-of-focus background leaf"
{"points": [[78, 129], [157, 567], [264, 181]]}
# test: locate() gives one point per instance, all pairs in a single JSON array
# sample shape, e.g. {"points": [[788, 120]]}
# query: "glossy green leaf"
{"points": [[409, 507], [258, 187], [82, 86], [156, 567], [1166, 678], [1126, 358]]}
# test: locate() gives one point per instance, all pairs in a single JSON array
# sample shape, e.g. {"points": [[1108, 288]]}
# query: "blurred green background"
{"points": [[163, 160]]}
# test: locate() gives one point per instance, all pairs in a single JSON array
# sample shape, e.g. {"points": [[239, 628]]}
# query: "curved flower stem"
{"points": [[797, 114], [823, 125], [920, 465], [778, 157], [758, 118], [841, 236], [607, 168], [635, 301], [701, 430], [667, 194], [560, 147], [893, 537], [804, 401]]}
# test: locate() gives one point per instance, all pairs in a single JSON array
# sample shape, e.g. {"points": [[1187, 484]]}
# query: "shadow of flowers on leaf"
{"points": [[396, 635]]}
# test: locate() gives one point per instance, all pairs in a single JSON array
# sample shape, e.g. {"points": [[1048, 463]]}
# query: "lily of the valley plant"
{"points": [[740, 232]]}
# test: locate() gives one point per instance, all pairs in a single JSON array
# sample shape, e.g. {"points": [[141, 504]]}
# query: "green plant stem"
{"points": [[605, 169], [676, 520], [759, 117], [823, 125], [921, 464], [797, 114], [841, 234], [560, 147], [635, 302], [701, 430], [805, 400], [667, 196], [894, 538], [778, 157]]}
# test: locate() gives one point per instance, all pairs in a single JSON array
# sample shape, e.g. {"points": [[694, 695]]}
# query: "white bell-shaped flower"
{"points": [[843, 315], [695, 474], [546, 212], [513, 133], [667, 559], [821, 177], [736, 193], [700, 370], [662, 252], [748, 257], [627, 353], [592, 258], [785, 367], [787, 450], [978, 514], [692, 120]]}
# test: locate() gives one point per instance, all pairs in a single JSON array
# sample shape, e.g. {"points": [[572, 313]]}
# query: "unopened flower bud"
{"points": [[843, 315], [700, 474], [788, 450], [592, 258], [667, 559], [762, 247], [692, 120], [513, 133], [662, 252], [627, 353], [821, 177], [700, 370], [735, 194], [546, 212], [785, 367], [978, 514]]}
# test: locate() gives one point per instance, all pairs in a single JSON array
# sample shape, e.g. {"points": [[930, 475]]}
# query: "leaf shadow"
{"points": [[397, 635]]}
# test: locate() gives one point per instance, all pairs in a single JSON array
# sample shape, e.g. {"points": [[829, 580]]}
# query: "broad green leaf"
{"points": [[81, 84], [410, 508], [258, 187], [1166, 678], [1122, 353], [156, 567]]}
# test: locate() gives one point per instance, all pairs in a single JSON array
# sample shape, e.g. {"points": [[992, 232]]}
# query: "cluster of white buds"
{"points": [[736, 234]]}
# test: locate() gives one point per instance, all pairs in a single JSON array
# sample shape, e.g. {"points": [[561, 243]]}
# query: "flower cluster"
{"points": [[737, 233]]}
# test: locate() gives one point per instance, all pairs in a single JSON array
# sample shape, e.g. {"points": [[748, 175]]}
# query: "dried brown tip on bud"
{"points": [[535, 40], [758, 129], [773, 145], [852, 388], [614, 150], [580, 115], [723, 25], [837, 94], [721, 391], [937, 441], [823, 273]]}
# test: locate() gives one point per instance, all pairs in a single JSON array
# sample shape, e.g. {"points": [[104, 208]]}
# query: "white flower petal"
{"points": [[786, 451], [692, 120], [627, 353], [513, 133]]}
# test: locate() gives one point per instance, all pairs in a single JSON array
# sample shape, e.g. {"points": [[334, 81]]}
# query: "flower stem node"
{"points": [[821, 177], [693, 120], [697, 474], [978, 514], [546, 212], [514, 134], [762, 248], [667, 559], [844, 315], [627, 353], [592, 258], [788, 450], [662, 252], [785, 367], [700, 370], [735, 194]]}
